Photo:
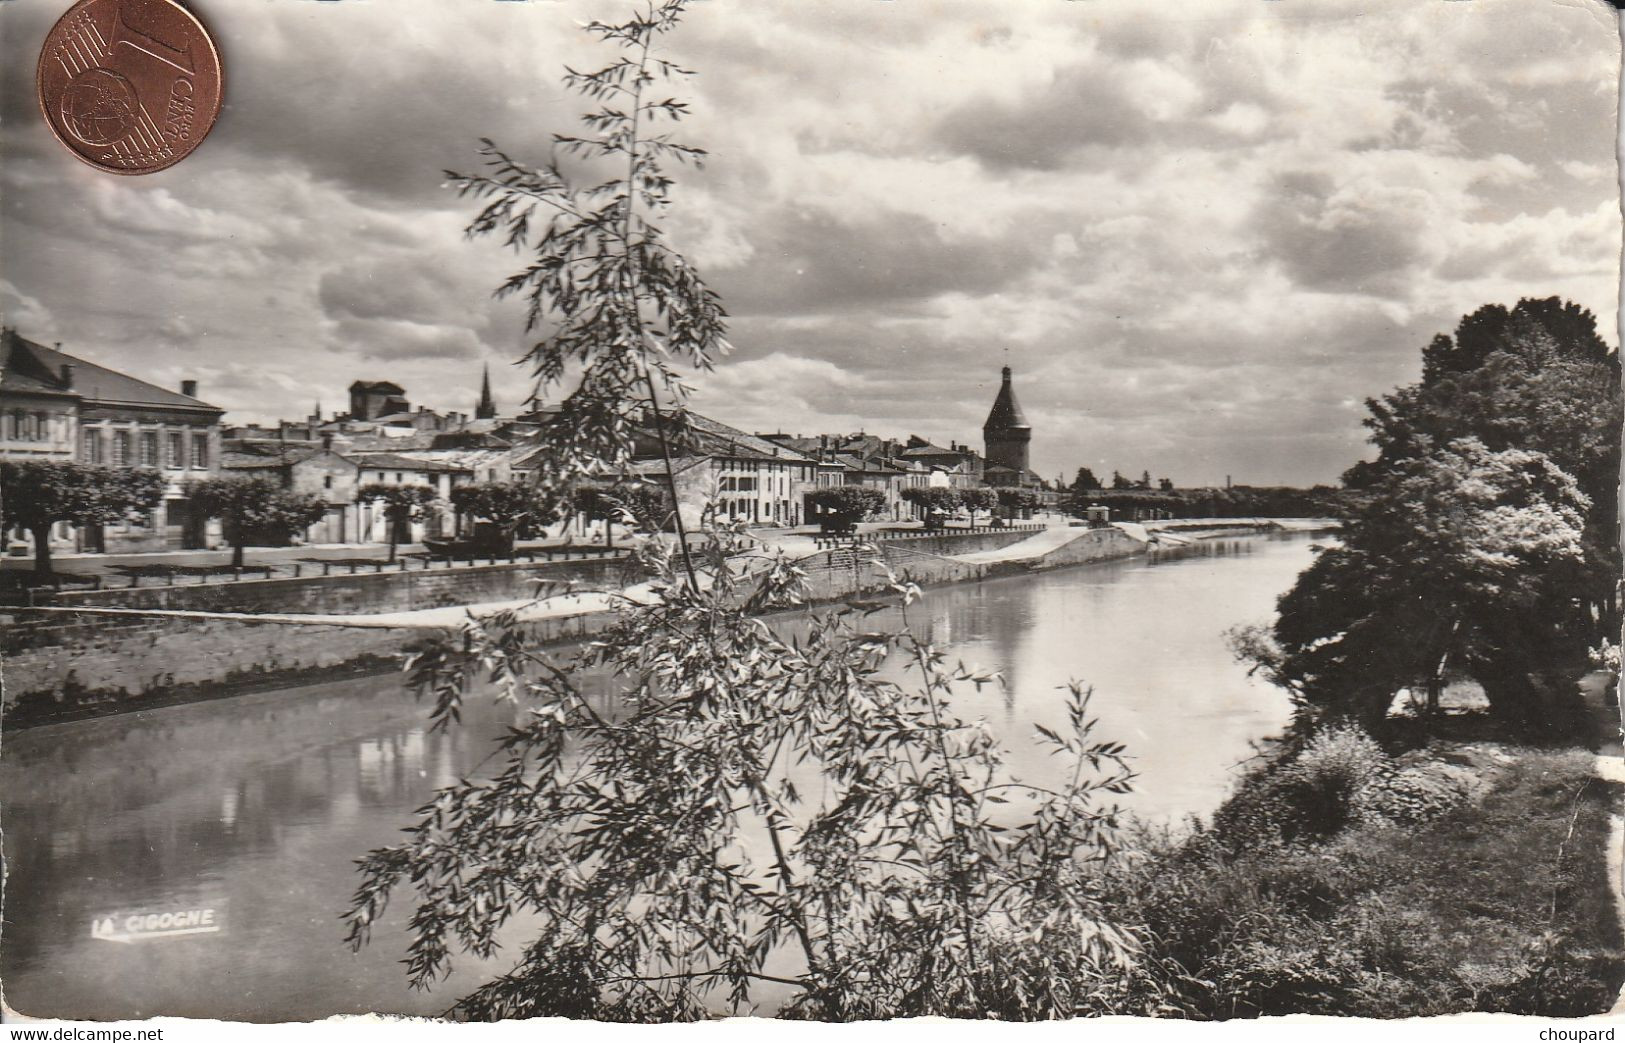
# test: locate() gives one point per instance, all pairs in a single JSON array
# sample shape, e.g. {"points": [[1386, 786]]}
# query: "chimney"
{"points": [[327, 441], [189, 388], [66, 372]]}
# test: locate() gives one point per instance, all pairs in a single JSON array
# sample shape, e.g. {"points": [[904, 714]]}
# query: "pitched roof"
{"points": [[925, 451], [1006, 411], [28, 366], [395, 461], [714, 438], [269, 456]]}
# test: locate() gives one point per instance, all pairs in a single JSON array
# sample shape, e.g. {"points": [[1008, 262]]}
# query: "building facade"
{"points": [[742, 476], [56, 406]]}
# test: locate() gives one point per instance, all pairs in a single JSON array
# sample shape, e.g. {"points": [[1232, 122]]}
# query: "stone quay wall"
{"points": [[362, 593], [56, 666], [1091, 545], [60, 667]]}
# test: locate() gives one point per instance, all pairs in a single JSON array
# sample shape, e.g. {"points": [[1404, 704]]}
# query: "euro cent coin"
{"points": [[129, 86]]}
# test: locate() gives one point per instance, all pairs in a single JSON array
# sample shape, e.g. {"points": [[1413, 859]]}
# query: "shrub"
{"points": [[1310, 796], [1410, 796]]}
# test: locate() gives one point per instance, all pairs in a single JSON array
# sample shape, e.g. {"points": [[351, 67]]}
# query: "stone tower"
{"points": [[1006, 433]]}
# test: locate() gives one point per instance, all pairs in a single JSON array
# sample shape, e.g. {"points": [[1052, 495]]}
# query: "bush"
{"points": [[1504, 909], [1311, 796], [1410, 796]]}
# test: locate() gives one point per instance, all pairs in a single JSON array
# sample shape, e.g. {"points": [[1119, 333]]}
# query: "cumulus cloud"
{"points": [[1200, 238]]}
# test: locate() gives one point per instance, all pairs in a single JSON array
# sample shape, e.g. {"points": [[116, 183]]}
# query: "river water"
{"points": [[256, 807]]}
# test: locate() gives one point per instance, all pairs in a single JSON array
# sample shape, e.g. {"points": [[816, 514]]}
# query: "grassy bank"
{"points": [[1466, 875]]}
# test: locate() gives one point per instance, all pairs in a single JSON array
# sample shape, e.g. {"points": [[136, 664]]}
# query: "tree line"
{"points": [[36, 496]]}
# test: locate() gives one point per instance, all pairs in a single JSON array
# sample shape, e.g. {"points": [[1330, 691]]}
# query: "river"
{"points": [[256, 806]]}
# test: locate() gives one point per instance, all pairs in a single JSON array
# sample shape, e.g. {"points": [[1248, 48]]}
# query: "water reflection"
{"points": [[259, 804]]}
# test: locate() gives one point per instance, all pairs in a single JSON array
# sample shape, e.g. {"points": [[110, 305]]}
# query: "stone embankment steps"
{"points": [[1033, 548]]}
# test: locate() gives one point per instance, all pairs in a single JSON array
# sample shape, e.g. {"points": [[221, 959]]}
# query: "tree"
{"points": [[1481, 538], [508, 506], [36, 495], [934, 502], [1018, 501], [638, 505], [1145, 480], [672, 849], [1516, 385], [1085, 481], [403, 505], [254, 509], [1120, 482], [843, 506], [1571, 329], [980, 498], [1165, 485], [1462, 558]]}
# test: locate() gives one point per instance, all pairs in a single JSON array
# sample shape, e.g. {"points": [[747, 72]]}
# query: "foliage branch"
{"points": [[697, 805], [403, 504]]}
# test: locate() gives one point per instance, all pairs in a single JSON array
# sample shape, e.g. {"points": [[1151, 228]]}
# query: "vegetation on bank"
{"points": [[1462, 875]]}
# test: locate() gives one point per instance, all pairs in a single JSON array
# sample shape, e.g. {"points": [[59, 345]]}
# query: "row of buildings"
{"points": [[56, 406]]}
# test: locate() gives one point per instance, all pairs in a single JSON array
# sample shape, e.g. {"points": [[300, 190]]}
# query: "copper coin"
{"points": [[129, 86]]}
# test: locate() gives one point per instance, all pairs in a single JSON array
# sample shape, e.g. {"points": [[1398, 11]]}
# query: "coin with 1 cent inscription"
{"points": [[129, 86]]}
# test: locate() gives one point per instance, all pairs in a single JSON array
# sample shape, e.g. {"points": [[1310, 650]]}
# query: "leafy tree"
{"points": [[1165, 485], [1018, 501], [1120, 482], [843, 506], [1569, 328], [1525, 388], [1145, 480], [403, 505], [616, 307], [508, 505], [635, 504], [36, 495], [980, 498], [1465, 558], [934, 502], [1085, 481], [757, 808], [254, 509]]}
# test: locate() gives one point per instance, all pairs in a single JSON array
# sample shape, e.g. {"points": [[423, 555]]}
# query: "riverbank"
{"points": [[112, 651], [1455, 869]]}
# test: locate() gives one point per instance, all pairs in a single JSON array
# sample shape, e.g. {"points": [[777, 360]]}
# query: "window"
{"points": [[149, 449], [42, 427], [200, 450], [121, 448], [397, 477], [174, 448], [327, 481], [93, 446]]}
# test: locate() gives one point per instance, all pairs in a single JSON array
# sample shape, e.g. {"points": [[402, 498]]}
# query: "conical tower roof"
{"points": [[1006, 412], [487, 408]]}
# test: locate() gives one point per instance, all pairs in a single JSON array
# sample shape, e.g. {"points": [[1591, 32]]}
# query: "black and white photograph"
{"points": [[655, 511]]}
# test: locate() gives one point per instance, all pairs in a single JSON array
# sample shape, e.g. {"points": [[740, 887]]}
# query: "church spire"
{"points": [[487, 409]]}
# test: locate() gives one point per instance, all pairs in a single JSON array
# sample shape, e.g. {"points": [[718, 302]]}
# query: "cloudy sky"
{"points": [[1201, 239]]}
